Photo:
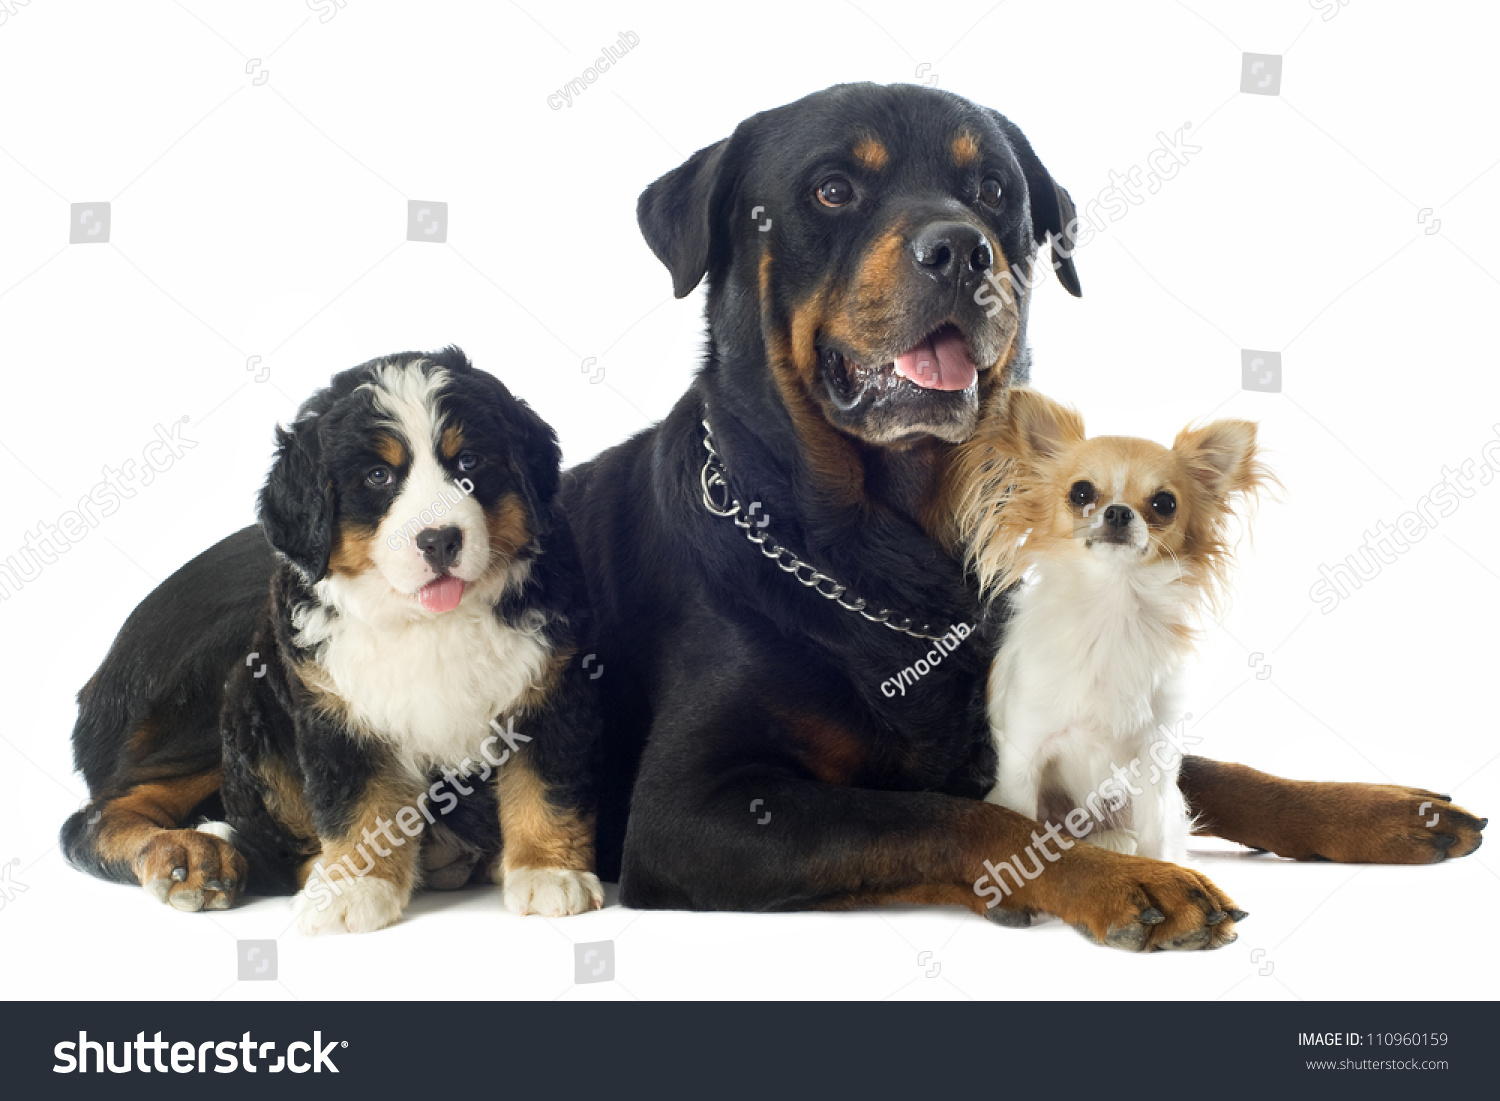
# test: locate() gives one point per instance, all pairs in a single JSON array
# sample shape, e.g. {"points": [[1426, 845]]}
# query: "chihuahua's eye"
{"points": [[989, 191], [1164, 505], [835, 191], [1082, 494], [378, 476], [469, 461]]}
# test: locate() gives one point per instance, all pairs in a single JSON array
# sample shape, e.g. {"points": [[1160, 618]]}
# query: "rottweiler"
{"points": [[770, 561]]}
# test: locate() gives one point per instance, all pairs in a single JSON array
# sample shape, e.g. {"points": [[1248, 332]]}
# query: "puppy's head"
{"points": [[874, 243], [412, 483], [1031, 487]]}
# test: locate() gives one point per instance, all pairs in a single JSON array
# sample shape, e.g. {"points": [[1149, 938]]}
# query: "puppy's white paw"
{"points": [[222, 830], [552, 892], [359, 906]]}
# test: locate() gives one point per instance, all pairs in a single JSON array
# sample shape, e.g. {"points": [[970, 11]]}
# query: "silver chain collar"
{"points": [[718, 499]]}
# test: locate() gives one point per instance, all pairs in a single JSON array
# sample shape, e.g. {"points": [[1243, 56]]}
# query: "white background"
{"points": [[269, 220]]}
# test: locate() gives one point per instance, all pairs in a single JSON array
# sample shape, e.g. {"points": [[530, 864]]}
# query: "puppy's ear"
{"points": [[538, 455], [296, 503], [1222, 457], [538, 459], [679, 215], [1052, 215], [1037, 428]]}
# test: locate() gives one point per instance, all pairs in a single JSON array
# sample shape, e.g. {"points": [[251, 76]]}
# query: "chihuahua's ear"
{"points": [[1223, 457], [1037, 428]]}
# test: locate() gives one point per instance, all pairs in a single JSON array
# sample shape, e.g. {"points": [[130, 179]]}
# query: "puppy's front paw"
{"points": [[348, 905], [552, 892]]}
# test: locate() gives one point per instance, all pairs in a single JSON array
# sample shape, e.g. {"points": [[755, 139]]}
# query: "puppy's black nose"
{"points": [[1118, 516], [951, 250], [440, 546]]}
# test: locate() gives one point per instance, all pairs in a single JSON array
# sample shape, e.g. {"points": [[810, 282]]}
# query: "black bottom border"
{"points": [[754, 1049]]}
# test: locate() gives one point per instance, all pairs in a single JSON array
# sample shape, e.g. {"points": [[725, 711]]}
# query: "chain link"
{"points": [[721, 501]]}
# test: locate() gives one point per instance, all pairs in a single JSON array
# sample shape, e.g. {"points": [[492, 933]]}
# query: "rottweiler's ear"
{"points": [[678, 215], [1052, 213], [296, 503]]}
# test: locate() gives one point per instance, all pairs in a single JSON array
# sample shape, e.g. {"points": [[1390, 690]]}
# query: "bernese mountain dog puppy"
{"points": [[379, 687]]}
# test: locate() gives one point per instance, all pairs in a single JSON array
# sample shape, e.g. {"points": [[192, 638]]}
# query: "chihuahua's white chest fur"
{"points": [[1081, 694]]}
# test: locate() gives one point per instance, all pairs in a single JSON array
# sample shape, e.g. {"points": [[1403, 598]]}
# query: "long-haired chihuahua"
{"points": [[1109, 550]]}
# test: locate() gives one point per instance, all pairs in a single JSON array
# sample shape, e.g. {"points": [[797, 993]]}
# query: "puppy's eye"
{"points": [[835, 191], [1083, 493], [1164, 505], [378, 476], [469, 461], [990, 191]]}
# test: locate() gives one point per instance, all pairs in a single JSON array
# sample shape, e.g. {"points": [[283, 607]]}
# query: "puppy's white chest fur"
{"points": [[428, 685]]}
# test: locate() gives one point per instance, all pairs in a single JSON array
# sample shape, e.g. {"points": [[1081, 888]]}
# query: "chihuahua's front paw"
{"points": [[348, 906], [552, 892]]}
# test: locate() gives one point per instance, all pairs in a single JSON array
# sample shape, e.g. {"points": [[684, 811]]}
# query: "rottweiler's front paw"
{"points": [[1134, 903], [1383, 824]]}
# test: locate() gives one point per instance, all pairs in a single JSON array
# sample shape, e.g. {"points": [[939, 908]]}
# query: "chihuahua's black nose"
{"points": [[950, 251], [1116, 516], [440, 546]]}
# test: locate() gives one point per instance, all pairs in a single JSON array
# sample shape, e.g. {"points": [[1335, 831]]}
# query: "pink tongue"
{"points": [[940, 363], [441, 595]]}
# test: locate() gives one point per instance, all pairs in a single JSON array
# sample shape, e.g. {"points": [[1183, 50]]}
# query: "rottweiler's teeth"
{"points": [[858, 377]]}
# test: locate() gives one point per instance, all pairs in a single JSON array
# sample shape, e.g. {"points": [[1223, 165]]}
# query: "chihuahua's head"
{"points": [[1031, 487]]}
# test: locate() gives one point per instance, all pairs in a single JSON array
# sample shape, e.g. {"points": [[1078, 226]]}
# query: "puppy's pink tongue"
{"points": [[938, 363], [441, 595]]}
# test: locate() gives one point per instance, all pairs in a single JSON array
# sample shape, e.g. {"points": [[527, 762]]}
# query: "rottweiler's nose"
{"points": [[1118, 516], [951, 250], [440, 546]]}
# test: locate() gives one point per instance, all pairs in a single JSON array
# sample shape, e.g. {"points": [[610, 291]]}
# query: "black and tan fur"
{"points": [[761, 765], [227, 695]]}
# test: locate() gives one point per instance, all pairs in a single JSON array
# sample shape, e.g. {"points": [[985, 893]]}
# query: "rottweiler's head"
{"points": [[411, 484], [873, 245]]}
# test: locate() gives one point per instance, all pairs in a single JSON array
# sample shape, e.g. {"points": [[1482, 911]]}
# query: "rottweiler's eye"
{"points": [[835, 191], [989, 191], [469, 461], [378, 476], [1164, 505], [1082, 494]]}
